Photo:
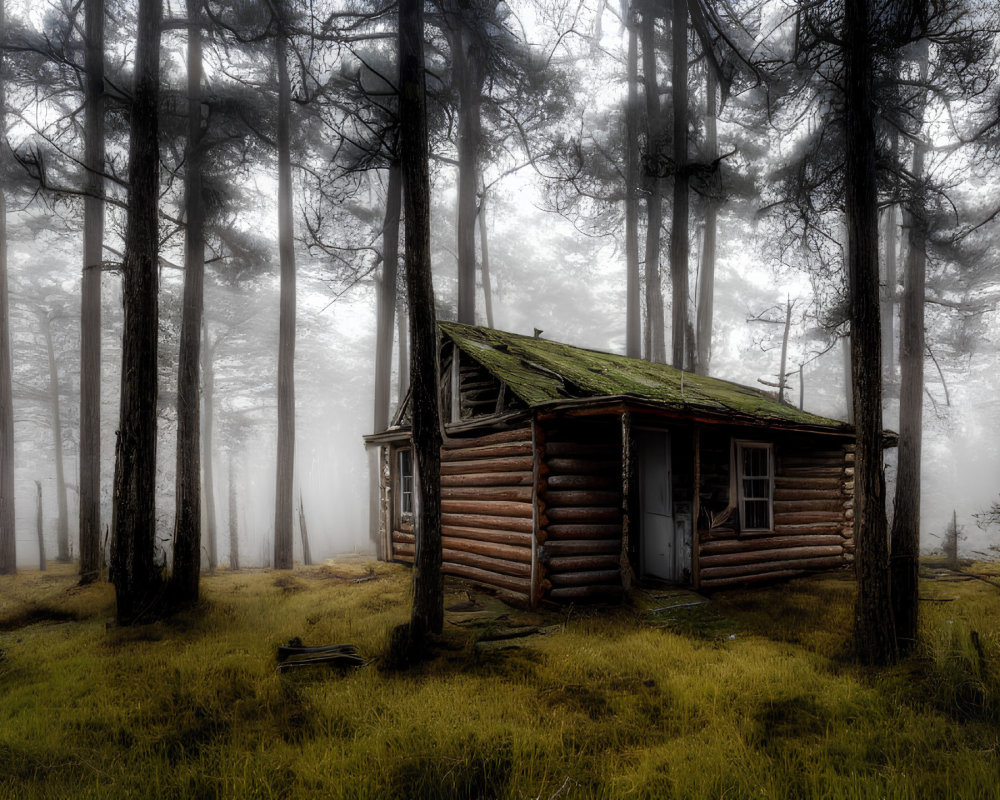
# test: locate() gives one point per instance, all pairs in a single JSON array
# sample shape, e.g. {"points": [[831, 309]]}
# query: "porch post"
{"points": [[628, 490], [696, 510]]}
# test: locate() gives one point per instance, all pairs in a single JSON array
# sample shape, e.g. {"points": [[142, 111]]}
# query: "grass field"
{"points": [[750, 695]]}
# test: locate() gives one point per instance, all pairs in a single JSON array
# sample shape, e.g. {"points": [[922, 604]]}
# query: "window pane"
{"points": [[755, 514], [406, 481]]}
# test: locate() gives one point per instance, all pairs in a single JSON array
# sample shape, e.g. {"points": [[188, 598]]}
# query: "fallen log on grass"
{"points": [[338, 655]]}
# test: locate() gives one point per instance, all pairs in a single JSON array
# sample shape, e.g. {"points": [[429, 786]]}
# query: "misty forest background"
{"points": [[554, 131]]}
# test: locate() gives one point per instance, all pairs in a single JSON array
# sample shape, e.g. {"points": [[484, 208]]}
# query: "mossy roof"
{"points": [[540, 371]]}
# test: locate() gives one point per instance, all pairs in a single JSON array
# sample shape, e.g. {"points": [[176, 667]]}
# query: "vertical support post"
{"points": [[696, 511], [629, 523]]}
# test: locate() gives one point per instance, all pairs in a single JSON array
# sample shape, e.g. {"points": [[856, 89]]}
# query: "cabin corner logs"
{"points": [[549, 510]]}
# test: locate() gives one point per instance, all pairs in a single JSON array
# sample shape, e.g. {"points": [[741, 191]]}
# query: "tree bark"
{"points": [[90, 295], [134, 573], [679, 240], [905, 536], [62, 521], [874, 638], [484, 253], [782, 379], [40, 527], [207, 448], [889, 287], [283, 503], [706, 288], [386, 302], [633, 315], [304, 533], [657, 350], [187, 515], [8, 556], [403, 358], [234, 538], [428, 589]]}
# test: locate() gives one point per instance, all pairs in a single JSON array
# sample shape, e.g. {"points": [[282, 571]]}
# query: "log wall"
{"points": [[813, 512], [486, 513], [580, 521]]}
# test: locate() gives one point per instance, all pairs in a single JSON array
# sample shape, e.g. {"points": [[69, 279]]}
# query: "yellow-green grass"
{"points": [[610, 703]]}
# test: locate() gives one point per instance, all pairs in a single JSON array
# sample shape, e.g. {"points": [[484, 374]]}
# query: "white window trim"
{"points": [[406, 516], [738, 447]]}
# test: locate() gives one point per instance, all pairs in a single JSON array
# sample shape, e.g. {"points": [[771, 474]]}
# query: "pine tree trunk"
{"points": [[428, 587], [234, 531], [8, 555], [905, 538], [134, 573], [484, 253], [403, 360], [90, 295], [207, 448], [706, 287], [890, 239], [386, 301], [304, 533], [187, 519], [283, 520], [633, 315], [657, 350], [679, 243], [62, 521], [874, 637], [39, 527], [784, 351]]}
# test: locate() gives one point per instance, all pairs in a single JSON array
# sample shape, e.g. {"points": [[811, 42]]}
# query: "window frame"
{"points": [[405, 516], [747, 444]]}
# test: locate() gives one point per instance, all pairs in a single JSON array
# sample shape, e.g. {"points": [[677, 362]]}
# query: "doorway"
{"points": [[660, 553]]}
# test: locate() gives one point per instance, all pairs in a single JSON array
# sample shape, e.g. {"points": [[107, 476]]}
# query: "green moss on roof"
{"points": [[541, 371]]}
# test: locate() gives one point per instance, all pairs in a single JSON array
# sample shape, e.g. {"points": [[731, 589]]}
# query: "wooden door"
{"points": [[659, 549]]}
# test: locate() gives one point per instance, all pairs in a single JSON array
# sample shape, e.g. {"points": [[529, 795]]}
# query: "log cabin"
{"points": [[570, 474]]}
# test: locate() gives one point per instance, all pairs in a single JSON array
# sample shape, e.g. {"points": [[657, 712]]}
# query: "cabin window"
{"points": [[755, 463], [405, 462]]}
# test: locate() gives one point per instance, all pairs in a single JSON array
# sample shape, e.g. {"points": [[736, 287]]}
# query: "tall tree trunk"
{"points": [[40, 528], [283, 520], [386, 301], [304, 533], [134, 573], [62, 521], [187, 520], [633, 315], [90, 295], [657, 350], [782, 379], [8, 556], [207, 448], [905, 538], [234, 531], [706, 287], [428, 588], [468, 71], [891, 239], [484, 253], [874, 637], [403, 360], [679, 244]]}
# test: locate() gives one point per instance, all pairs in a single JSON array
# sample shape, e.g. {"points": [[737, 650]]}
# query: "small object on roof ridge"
{"points": [[538, 333]]}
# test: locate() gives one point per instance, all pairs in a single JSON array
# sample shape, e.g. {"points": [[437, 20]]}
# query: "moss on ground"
{"points": [[609, 703]]}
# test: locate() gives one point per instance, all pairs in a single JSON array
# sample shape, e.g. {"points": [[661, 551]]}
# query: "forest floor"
{"points": [[748, 695]]}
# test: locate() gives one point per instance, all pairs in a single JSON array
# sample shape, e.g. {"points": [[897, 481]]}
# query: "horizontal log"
{"points": [[509, 464], [582, 563], [781, 482], [583, 466], [402, 549], [811, 472], [808, 517], [814, 527], [785, 506], [585, 531], [585, 578], [781, 493], [583, 514], [518, 493], [518, 435], [483, 521], [555, 548], [492, 508], [809, 462], [583, 498], [514, 599], [607, 592], [498, 565], [513, 538], [486, 451], [747, 543], [823, 562], [403, 537], [523, 478], [492, 550], [608, 451], [509, 582], [743, 580], [583, 482], [776, 555]]}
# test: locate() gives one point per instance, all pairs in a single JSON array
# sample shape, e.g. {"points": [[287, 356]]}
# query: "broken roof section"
{"points": [[542, 372]]}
